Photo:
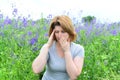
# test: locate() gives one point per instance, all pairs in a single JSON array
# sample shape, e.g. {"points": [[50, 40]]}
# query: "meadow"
{"points": [[21, 40]]}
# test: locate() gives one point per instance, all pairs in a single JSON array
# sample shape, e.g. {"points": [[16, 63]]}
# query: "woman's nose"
{"points": [[60, 34]]}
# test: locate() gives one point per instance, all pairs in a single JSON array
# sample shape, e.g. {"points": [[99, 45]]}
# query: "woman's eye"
{"points": [[56, 31], [63, 31]]}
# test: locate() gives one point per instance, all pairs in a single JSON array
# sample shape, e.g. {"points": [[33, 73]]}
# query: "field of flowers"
{"points": [[22, 38]]}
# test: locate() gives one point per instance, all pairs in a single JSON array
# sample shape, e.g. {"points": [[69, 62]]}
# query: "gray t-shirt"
{"points": [[56, 67]]}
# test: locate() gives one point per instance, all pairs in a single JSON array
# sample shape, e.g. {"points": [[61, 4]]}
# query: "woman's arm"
{"points": [[41, 60], [73, 67], [39, 63]]}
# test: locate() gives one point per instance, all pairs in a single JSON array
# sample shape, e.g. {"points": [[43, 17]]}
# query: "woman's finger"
{"points": [[52, 34], [50, 41]]}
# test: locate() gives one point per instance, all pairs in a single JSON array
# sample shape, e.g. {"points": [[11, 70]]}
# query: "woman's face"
{"points": [[60, 33]]}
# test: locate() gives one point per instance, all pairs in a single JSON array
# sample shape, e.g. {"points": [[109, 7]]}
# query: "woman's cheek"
{"points": [[66, 36]]}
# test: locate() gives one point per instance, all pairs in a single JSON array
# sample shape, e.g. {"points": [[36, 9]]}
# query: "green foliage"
{"points": [[102, 53], [88, 19], [102, 59]]}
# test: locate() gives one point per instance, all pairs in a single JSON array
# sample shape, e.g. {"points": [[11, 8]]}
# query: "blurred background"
{"points": [[103, 10]]}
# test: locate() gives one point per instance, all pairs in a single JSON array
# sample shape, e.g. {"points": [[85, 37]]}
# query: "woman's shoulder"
{"points": [[77, 49], [77, 46]]}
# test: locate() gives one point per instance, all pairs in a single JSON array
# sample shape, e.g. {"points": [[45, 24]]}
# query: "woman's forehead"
{"points": [[58, 28]]}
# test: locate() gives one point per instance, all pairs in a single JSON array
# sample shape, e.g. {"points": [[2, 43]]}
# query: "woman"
{"points": [[63, 58]]}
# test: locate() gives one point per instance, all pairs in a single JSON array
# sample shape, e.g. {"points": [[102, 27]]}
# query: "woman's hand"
{"points": [[65, 43], [51, 39]]}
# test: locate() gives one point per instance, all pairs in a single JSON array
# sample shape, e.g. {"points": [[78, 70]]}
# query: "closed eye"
{"points": [[63, 31], [56, 31]]}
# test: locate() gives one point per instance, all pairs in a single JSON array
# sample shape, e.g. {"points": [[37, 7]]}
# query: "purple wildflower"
{"points": [[29, 33], [1, 16], [24, 21], [33, 23], [114, 32], [93, 21], [33, 41], [89, 29], [49, 16], [46, 34], [15, 11], [2, 25], [77, 29], [7, 20]]}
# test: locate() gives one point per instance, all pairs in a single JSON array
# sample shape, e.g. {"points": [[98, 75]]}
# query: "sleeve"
{"points": [[79, 51]]}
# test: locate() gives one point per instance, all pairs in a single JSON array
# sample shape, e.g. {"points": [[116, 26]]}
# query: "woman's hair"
{"points": [[66, 23]]}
